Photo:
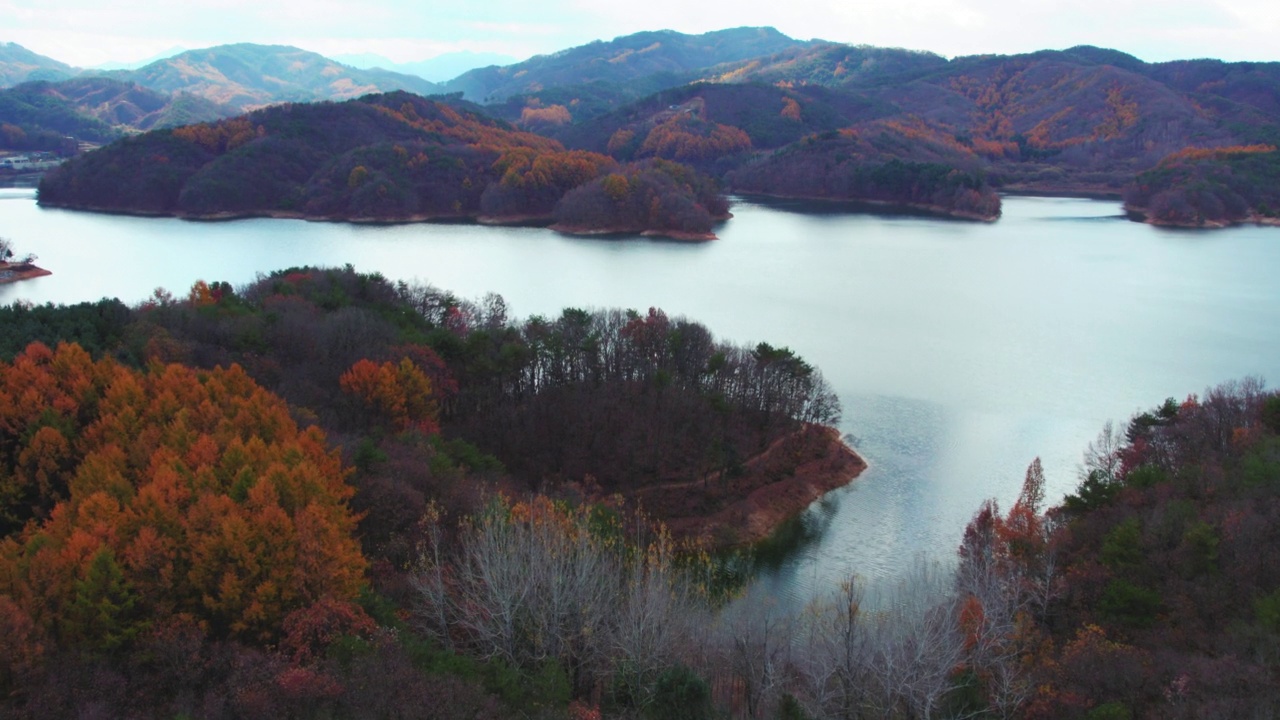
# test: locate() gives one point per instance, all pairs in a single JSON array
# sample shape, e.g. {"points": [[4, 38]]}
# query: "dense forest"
{"points": [[1084, 120], [1081, 120], [1200, 187], [248, 479], [393, 157], [868, 163], [328, 495]]}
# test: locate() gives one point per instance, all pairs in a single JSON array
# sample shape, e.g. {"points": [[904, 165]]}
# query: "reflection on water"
{"points": [[961, 350]]}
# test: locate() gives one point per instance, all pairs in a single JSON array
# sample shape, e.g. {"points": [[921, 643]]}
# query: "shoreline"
{"points": [[1140, 214], [621, 230], [1085, 193], [925, 208], [11, 273], [775, 486], [542, 221]]}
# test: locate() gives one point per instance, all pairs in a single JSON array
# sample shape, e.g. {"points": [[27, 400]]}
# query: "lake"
{"points": [[961, 351]]}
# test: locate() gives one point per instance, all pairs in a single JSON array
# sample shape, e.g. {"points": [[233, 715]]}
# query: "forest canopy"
{"points": [[1210, 186], [392, 157]]}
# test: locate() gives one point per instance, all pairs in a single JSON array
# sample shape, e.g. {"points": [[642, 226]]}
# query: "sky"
{"points": [[91, 32]]}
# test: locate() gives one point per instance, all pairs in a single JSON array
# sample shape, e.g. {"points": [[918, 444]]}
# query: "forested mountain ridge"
{"points": [[247, 75], [94, 109], [1200, 187], [194, 86], [803, 141], [392, 157], [1081, 120], [621, 60], [18, 65], [1085, 119]]}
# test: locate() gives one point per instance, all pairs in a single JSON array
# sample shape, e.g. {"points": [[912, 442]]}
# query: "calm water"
{"points": [[961, 351]]}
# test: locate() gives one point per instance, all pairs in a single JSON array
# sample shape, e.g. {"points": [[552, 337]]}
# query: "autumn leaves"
{"points": [[136, 497]]}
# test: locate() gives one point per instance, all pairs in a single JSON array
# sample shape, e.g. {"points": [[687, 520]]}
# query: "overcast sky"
{"points": [[91, 32]]}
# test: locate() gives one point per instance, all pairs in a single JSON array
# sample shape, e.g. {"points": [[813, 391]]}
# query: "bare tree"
{"points": [[758, 646], [1102, 456], [531, 582], [891, 655]]}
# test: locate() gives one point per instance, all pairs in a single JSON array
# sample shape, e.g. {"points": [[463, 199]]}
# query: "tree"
{"points": [[6, 249], [535, 582], [104, 613], [185, 494], [399, 393]]}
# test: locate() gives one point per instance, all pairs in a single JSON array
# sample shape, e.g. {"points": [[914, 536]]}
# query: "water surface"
{"points": [[960, 350]]}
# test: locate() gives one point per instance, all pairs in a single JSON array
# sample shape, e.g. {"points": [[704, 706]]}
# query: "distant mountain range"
{"points": [[135, 64], [96, 109], [18, 65], [642, 55], [245, 76], [52, 99], [437, 69], [1081, 120]]}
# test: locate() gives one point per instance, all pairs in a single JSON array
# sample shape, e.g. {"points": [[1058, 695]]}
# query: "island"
{"points": [[393, 157]]}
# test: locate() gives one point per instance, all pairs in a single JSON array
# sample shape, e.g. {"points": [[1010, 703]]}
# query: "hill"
{"points": [[803, 141], [1082, 119], [621, 60], [1210, 188], [246, 76], [390, 157], [18, 65], [770, 116], [887, 161], [94, 109]]}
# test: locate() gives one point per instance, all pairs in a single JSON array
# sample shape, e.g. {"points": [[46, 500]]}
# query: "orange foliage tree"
{"points": [[398, 393], [532, 117], [686, 138], [220, 137], [131, 497]]}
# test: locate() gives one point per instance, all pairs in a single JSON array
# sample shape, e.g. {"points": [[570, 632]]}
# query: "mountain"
{"points": [[770, 116], [18, 64], [135, 64], [622, 60], [437, 69], [93, 109], [885, 161], [1084, 118], [246, 76]]}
